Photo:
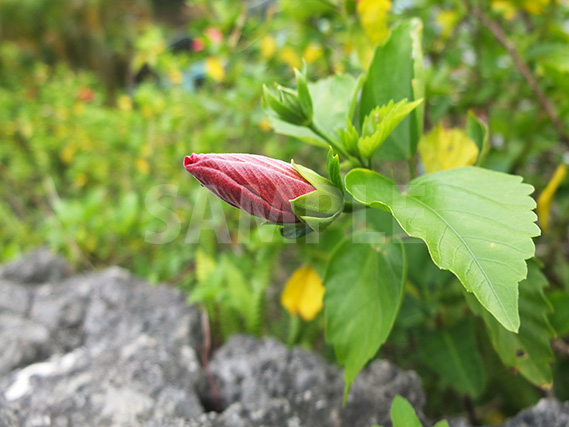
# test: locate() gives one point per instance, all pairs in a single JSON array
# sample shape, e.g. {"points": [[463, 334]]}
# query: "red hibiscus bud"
{"points": [[256, 184]]}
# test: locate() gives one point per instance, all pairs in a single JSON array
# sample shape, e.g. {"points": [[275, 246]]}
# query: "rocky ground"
{"points": [[108, 349]]}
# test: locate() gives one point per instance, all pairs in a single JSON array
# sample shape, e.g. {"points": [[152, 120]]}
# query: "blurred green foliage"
{"points": [[91, 149]]}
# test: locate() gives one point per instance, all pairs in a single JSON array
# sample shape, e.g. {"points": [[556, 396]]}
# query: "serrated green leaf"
{"points": [[528, 351], [361, 303], [477, 132], [349, 138], [453, 354], [396, 73], [403, 414], [477, 223], [380, 122]]}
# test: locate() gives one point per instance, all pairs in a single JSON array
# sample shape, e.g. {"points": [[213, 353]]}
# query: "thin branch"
{"points": [[205, 351], [524, 70]]}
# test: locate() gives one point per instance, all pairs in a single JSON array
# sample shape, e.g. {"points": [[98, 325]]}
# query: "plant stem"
{"points": [[412, 168], [350, 207], [336, 146], [523, 68], [293, 329]]}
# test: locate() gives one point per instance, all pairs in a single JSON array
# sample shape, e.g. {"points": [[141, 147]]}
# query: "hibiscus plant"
{"points": [[475, 222]]}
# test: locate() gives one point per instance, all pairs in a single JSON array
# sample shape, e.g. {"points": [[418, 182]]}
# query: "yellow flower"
{"points": [[124, 103], [214, 69], [142, 166], [373, 17], [289, 56], [80, 180], [447, 20], [268, 46], [303, 293], [312, 52], [67, 153], [265, 125], [505, 7], [175, 76]]}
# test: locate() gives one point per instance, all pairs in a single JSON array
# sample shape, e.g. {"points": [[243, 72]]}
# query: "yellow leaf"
{"points": [[303, 293], [214, 69], [546, 197], [268, 46], [444, 149], [373, 17], [312, 52], [289, 56]]}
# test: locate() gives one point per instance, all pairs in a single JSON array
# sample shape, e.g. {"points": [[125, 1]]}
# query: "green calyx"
{"points": [[321, 207]]}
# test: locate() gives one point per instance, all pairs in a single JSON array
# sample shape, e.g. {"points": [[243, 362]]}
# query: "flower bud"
{"points": [[293, 106], [268, 188]]}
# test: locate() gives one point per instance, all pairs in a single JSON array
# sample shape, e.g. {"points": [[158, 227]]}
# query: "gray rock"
{"points": [[132, 385], [546, 413], [273, 385], [8, 417], [97, 349], [24, 341], [99, 310], [121, 307], [39, 266]]}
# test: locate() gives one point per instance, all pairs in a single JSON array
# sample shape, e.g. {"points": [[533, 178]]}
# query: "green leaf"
{"points": [[529, 351], [442, 423], [396, 73], [477, 132], [300, 132], [361, 303], [477, 223], [380, 122], [355, 96], [403, 414], [453, 354], [349, 138], [303, 94], [560, 316], [333, 163], [331, 98]]}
